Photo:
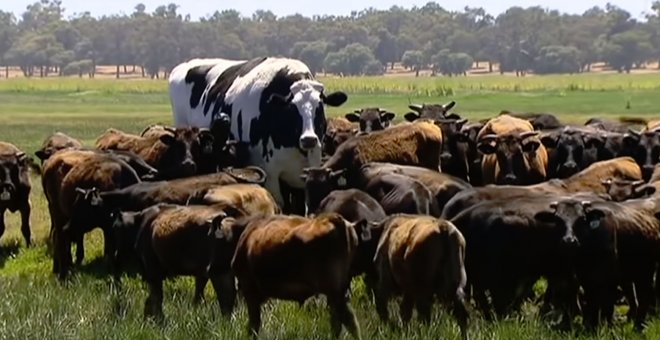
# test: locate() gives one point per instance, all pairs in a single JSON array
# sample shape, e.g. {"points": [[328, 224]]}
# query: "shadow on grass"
{"points": [[8, 252], [102, 269]]}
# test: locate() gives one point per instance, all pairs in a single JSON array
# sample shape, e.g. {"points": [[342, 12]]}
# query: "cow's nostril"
{"points": [[308, 142]]}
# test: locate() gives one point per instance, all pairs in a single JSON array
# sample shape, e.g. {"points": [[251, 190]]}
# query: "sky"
{"points": [[200, 8]]}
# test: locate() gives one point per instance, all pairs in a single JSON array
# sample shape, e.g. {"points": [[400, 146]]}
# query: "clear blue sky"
{"points": [[199, 8]]}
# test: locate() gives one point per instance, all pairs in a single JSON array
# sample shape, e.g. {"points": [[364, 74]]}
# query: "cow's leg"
{"points": [[108, 244], [644, 288], [254, 314], [200, 284], [80, 248], [460, 311], [225, 292], [153, 307], [342, 313], [2, 222], [63, 252], [25, 222], [423, 304], [406, 307]]}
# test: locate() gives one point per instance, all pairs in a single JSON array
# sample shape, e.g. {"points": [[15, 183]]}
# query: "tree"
{"points": [[312, 54], [451, 64], [413, 60], [625, 50], [8, 34], [558, 59]]}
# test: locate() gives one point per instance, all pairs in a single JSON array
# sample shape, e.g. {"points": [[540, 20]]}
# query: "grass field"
{"points": [[35, 305]]}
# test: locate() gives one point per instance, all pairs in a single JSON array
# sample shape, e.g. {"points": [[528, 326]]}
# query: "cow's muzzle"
{"points": [[6, 192], [308, 142]]}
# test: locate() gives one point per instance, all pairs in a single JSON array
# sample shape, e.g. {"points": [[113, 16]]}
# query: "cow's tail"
{"points": [[455, 276]]}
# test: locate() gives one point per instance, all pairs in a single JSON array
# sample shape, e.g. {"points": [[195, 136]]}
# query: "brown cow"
{"points": [[173, 241], [421, 256], [15, 185], [178, 191], [371, 119], [588, 180], [252, 199], [56, 142], [65, 177], [338, 130], [621, 189], [173, 155], [419, 144], [513, 154], [293, 258]]}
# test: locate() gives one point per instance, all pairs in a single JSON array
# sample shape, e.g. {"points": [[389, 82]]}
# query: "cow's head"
{"points": [[514, 152], [453, 149], [371, 119], [334, 138], [644, 147], [185, 147], [11, 166], [577, 220], [620, 190], [54, 143], [430, 111], [570, 146], [319, 182], [308, 97]]}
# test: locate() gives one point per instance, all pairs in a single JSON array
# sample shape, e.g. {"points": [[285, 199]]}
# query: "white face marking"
{"points": [[307, 99], [5, 196], [368, 127]]}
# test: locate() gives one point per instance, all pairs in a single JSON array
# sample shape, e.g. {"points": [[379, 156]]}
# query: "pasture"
{"points": [[36, 305]]}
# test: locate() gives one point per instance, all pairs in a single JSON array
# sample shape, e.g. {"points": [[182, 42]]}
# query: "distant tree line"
{"points": [[42, 41]]}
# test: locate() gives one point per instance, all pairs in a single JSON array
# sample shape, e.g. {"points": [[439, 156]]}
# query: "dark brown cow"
{"points": [[353, 205], [293, 258], [145, 194], [644, 147], [422, 257], [173, 241], [430, 111], [511, 242], [454, 158], [419, 144], [371, 119], [398, 193], [513, 154], [588, 180], [173, 155], [67, 179], [15, 187], [442, 186]]}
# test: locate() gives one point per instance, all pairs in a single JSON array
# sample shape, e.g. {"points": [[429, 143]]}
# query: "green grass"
{"points": [[35, 305]]}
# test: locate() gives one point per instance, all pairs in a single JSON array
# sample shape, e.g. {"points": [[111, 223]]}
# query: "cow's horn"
{"points": [[586, 204], [488, 138], [528, 134]]}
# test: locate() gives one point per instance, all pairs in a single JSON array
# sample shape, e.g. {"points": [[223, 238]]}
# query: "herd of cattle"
{"points": [[258, 199]]}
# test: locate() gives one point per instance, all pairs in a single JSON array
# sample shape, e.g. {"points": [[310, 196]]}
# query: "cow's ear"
{"points": [[387, 116], [545, 217], [630, 139], [594, 217], [167, 139], [645, 190], [453, 116], [549, 141], [487, 148], [449, 106], [352, 117], [531, 146], [411, 116], [334, 99], [41, 154]]}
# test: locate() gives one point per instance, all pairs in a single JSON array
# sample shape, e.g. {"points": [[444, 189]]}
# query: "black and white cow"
{"points": [[275, 105]]}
